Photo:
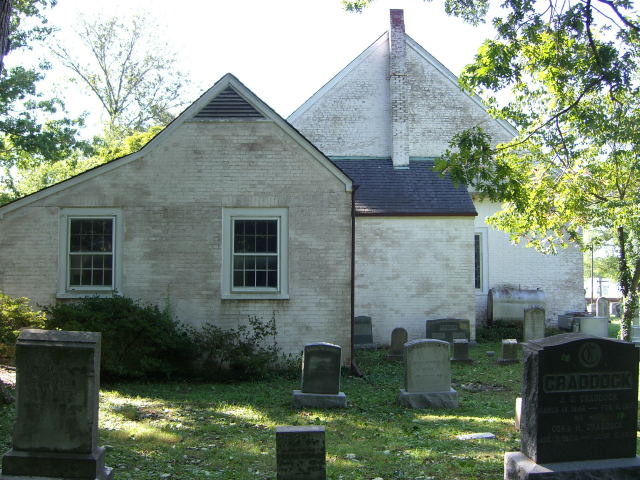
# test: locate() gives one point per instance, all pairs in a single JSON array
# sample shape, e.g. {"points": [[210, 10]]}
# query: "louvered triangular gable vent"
{"points": [[228, 104]]}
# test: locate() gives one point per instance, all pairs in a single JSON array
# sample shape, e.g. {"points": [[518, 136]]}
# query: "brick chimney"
{"points": [[398, 89]]}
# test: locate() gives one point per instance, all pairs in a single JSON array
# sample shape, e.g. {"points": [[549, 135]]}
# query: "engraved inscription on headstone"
{"points": [[300, 453], [580, 397], [447, 329]]}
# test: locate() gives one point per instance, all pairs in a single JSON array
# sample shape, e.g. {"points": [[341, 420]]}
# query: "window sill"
{"points": [[86, 294], [255, 296]]}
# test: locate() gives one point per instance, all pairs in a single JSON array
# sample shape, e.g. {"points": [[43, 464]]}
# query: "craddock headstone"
{"points": [[399, 337], [56, 429], [427, 381], [447, 329], [509, 351], [461, 351], [579, 414], [300, 453], [533, 326], [320, 377]]}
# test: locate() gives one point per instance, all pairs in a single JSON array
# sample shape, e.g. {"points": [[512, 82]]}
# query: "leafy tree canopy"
{"points": [[125, 66], [33, 130]]}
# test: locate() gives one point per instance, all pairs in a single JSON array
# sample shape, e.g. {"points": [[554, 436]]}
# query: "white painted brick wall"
{"points": [[411, 269], [559, 276], [172, 212], [354, 118]]}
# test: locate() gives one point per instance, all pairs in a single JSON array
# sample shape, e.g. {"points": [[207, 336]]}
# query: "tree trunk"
{"points": [[628, 286], [5, 27]]}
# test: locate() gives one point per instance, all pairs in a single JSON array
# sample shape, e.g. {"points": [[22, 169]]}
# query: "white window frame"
{"points": [[228, 291], [484, 255], [65, 290]]}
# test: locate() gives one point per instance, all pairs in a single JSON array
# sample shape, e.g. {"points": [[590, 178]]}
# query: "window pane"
{"points": [[85, 277], [238, 277], [272, 262], [261, 227], [249, 244], [249, 263], [107, 277], [249, 279], [261, 243], [261, 278], [478, 265], [272, 279], [249, 227], [272, 244], [74, 277], [261, 263]]}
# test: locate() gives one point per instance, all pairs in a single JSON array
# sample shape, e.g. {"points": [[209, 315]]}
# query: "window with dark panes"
{"points": [[255, 253], [91, 252]]}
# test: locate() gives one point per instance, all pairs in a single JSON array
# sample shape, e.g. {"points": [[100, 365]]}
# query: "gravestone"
{"points": [[56, 428], [427, 380], [518, 414], [602, 307], [461, 351], [363, 332], [579, 412], [509, 352], [447, 329], [596, 326], [399, 337], [300, 453], [533, 327], [320, 377]]}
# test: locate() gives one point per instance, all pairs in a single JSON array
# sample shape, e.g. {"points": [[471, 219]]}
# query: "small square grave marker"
{"points": [[461, 351], [509, 351], [533, 327], [363, 332], [300, 453]]}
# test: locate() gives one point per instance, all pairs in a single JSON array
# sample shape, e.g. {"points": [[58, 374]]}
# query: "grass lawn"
{"points": [[227, 431]]}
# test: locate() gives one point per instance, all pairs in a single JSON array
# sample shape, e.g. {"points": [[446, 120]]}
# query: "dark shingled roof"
{"points": [[417, 190]]}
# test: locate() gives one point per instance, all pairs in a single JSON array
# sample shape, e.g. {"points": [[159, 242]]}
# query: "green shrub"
{"points": [[137, 340], [497, 332], [247, 352], [15, 313]]}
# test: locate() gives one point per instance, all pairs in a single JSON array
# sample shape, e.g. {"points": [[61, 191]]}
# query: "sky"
{"points": [[283, 50]]}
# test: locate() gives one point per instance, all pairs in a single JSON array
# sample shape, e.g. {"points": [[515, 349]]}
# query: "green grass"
{"points": [[227, 431]]}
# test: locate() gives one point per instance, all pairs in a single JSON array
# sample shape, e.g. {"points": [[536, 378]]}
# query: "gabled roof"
{"points": [[416, 191], [384, 39], [228, 100]]}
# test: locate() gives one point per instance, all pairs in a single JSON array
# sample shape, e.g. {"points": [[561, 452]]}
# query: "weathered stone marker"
{"points": [[596, 326], [427, 381], [579, 410], [447, 329], [533, 325], [363, 332], [399, 337], [300, 453], [602, 307], [509, 351], [461, 351], [320, 377], [56, 429]]}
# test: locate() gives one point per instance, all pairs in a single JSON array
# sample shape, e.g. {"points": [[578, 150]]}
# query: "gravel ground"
{"points": [[8, 375]]}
